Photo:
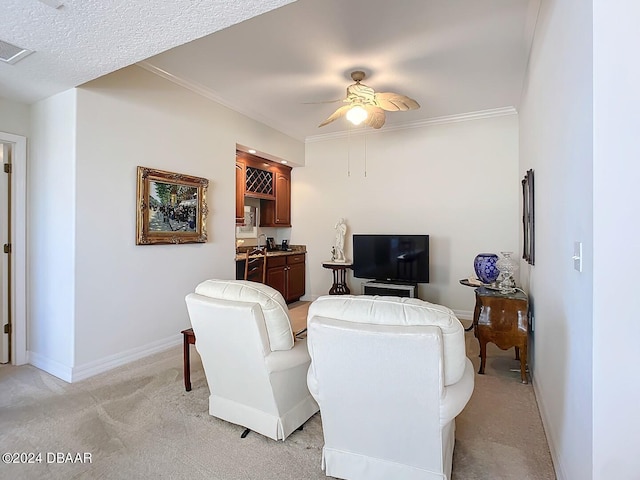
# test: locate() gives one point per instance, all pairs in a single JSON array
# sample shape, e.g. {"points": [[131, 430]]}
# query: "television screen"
{"points": [[399, 258]]}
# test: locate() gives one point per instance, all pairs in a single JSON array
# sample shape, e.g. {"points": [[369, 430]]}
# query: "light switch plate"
{"points": [[577, 256]]}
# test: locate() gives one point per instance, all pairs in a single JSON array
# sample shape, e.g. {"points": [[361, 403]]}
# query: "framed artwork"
{"points": [[171, 208], [528, 218]]}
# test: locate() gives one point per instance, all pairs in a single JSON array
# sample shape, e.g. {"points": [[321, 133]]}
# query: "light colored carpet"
{"points": [[138, 422]]}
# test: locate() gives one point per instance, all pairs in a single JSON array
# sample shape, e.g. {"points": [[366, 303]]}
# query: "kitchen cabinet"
{"points": [[283, 197], [267, 181], [286, 273], [259, 177], [240, 179], [276, 274], [295, 277], [277, 212]]}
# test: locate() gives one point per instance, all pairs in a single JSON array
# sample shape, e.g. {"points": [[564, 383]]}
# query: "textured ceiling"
{"points": [[85, 39], [453, 56]]}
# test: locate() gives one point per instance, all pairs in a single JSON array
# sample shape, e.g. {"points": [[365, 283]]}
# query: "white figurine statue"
{"points": [[341, 230]]}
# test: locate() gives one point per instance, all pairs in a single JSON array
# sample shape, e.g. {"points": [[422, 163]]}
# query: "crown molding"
{"points": [[463, 117], [193, 86], [206, 92]]}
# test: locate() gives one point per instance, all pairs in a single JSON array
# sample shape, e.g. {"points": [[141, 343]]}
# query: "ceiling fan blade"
{"points": [[375, 116], [394, 102], [342, 111]]}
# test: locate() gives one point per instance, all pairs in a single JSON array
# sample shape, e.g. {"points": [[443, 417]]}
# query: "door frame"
{"points": [[18, 247]]}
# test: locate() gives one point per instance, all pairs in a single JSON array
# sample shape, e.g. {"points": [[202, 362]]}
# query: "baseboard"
{"points": [[105, 364], [464, 314], [309, 298], [553, 445], [55, 368]]}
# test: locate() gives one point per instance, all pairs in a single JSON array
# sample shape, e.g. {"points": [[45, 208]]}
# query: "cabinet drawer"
{"points": [[295, 259], [278, 261]]}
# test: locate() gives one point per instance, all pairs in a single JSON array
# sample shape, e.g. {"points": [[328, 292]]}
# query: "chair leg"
{"points": [[245, 433]]}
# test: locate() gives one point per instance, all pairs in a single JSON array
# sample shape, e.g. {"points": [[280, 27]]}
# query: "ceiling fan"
{"points": [[365, 105]]}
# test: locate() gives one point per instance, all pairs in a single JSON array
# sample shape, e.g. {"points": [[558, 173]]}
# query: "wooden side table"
{"points": [[339, 269], [189, 338], [502, 319]]}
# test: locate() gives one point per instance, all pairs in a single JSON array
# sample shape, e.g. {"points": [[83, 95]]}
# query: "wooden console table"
{"points": [[189, 338], [502, 319], [339, 269]]}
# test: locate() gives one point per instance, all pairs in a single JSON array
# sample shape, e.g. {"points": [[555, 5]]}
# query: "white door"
{"points": [[5, 208]]}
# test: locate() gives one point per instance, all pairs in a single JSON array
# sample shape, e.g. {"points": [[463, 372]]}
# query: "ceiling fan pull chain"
{"points": [[365, 155], [349, 152]]}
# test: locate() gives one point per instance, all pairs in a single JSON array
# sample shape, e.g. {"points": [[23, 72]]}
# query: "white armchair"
{"points": [[390, 375], [255, 371]]}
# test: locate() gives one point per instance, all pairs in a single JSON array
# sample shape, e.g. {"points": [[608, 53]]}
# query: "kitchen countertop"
{"points": [[294, 250]]}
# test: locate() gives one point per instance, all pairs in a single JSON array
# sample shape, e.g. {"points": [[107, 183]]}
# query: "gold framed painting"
{"points": [[171, 208]]}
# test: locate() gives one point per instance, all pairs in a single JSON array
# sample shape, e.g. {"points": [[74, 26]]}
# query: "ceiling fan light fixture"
{"points": [[356, 115], [366, 105]]}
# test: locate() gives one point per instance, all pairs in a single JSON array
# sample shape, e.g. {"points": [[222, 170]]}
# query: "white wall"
{"points": [[14, 117], [616, 392], [457, 182], [130, 299], [51, 188], [556, 141]]}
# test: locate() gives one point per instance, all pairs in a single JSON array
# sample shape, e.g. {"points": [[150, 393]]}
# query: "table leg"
{"points": [[187, 362], [523, 364], [334, 288], [343, 282], [483, 354], [476, 314]]}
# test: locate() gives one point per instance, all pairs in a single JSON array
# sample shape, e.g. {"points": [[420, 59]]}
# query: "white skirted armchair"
{"points": [[255, 370], [390, 375]]}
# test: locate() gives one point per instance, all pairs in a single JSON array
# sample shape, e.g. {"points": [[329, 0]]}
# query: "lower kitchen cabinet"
{"points": [[286, 273]]}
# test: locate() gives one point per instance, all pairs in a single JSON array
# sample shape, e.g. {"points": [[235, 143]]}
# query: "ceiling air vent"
{"points": [[11, 54]]}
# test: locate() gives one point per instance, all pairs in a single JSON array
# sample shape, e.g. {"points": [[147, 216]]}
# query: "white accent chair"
{"points": [[390, 375], [255, 371]]}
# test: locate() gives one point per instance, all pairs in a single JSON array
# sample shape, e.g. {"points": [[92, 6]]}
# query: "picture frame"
{"points": [[528, 218], [171, 208]]}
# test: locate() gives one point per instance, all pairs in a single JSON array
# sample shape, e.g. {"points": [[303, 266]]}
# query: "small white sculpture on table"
{"points": [[339, 264], [337, 251]]}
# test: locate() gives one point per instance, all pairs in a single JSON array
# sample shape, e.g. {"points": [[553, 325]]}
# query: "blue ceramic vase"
{"points": [[485, 266]]}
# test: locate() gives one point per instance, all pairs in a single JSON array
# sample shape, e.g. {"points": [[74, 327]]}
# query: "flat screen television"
{"points": [[391, 258]]}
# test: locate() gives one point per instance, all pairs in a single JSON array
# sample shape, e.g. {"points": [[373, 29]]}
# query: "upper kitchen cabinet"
{"points": [[259, 180], [277, 212], [268, 181], [240, 192]]}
